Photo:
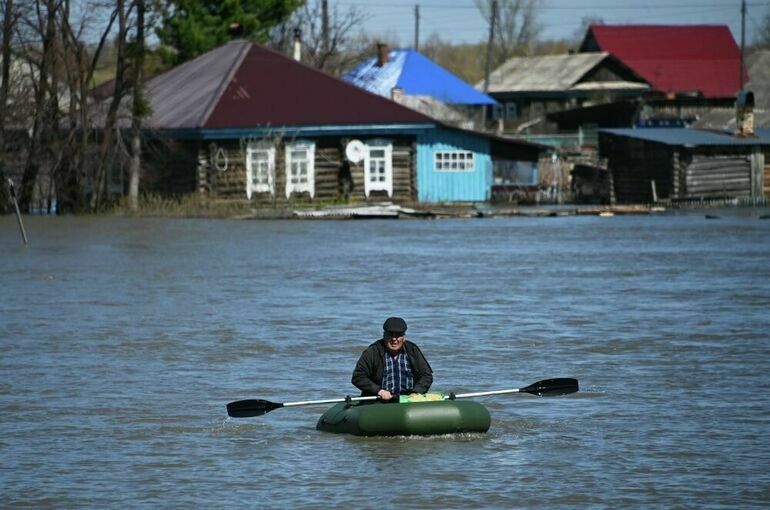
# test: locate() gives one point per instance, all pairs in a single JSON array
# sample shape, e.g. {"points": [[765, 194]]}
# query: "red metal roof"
{"points": [[674, 58], [270, 89]]}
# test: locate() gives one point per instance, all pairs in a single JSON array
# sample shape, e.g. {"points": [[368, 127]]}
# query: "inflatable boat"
{"points": [[423, 418]]}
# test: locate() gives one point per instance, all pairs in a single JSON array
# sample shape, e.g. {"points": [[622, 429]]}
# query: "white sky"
{"points": [[460, 21]]}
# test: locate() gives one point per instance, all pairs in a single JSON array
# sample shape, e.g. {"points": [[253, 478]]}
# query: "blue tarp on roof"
{"points": [[684, 136], [416, 75]]}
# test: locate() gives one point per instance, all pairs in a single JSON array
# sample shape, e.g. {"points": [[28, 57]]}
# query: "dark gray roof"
{"points": [[686, 137], [183, 96], [553, 73]]}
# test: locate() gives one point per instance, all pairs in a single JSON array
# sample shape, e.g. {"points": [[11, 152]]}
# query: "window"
{"points": [[454, 161], [300, 168], [378, 168], [515, 172], [497, 111], [260, 169], [511, 111]]}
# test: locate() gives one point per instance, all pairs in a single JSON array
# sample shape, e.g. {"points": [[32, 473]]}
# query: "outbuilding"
{"points": [[679, 164]]}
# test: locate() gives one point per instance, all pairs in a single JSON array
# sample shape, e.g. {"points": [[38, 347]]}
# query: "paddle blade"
{"points": [[552, 387], [248, 408]]}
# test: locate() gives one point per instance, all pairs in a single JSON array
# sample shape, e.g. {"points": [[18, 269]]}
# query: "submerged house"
{"points": [[684, 164], [245, 122], [410, 78]]}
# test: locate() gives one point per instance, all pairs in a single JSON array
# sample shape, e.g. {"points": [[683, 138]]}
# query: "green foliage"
{"points": [[142, 106], [192, 27], [464, 60]]}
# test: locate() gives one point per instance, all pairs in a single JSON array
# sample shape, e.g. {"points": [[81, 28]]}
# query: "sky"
{"points": [[459, 21]]}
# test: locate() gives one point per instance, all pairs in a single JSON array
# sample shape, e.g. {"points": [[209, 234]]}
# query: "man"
{"points": [[392, 366]]}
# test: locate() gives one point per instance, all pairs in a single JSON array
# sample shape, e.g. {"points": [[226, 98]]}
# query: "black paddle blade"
{"points": [[248, 408], [552, 387]]}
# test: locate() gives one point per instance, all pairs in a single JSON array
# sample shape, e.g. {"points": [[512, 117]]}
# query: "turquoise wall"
{"points": [[454, 186]]}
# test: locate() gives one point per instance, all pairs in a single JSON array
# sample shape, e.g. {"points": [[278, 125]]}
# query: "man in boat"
{"points": [[392, 365]]}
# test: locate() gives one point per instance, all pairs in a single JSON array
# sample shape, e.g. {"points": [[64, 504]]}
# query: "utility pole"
{"points": [[490, 42], [416, 27], [325, 26], [743, 40]]}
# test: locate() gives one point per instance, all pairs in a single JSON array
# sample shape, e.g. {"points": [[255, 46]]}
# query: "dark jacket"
{"points": [[367, 376]]}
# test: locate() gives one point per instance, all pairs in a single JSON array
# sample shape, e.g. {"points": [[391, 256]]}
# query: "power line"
{"points": [[582, 7]]}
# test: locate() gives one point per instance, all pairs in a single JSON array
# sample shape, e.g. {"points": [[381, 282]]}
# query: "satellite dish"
{"points": [[354, 151]]}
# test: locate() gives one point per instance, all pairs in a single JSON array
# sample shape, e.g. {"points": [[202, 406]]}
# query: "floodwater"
{"points": [[122, 340]]}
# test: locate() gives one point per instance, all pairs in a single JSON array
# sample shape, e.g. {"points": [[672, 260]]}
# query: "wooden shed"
{"points": [[653, 164]]}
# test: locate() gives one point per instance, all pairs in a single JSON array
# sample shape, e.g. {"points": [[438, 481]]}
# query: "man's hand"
{"points": [[384, 394]]}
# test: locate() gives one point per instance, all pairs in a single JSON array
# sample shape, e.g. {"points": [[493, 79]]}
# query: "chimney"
{"points": [[397, 94], [297, 44], [744, 113], [235, 30], [382, 54]]}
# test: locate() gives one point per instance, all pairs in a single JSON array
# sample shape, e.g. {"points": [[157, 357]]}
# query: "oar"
{"points": [[258, 407], [544, 388]]}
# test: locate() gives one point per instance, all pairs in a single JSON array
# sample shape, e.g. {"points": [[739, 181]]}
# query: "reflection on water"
{"points": [[121, 341]]}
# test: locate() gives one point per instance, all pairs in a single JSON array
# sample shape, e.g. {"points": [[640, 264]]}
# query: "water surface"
{"points": [[121, 341]]}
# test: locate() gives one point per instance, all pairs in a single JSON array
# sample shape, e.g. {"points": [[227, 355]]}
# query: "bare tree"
{"points": [[44, 23], [328, 43], [95, 18], [9, 20], [762, 39], [138, 109], [585, 23], [516, 27], [107, 148]]}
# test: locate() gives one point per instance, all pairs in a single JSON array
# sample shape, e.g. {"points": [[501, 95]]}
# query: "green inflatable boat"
{"points": [[421, 418]]}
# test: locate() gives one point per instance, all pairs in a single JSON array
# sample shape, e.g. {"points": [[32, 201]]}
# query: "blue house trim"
{"points": [[453, 185]]}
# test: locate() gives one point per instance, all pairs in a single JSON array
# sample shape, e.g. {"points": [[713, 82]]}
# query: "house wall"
{"points": [[404, 169], [715, 175], [218, 169], [767, 175], [169, 167], [453, 186], [679, 173], [635, 164]]}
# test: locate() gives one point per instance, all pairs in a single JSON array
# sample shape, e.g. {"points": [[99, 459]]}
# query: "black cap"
{"points": [[394, 325]]}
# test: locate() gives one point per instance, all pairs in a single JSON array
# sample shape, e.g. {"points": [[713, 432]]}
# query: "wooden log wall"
{"points": [[718, 175], [766, 186], [230, 182], [635, 164], [169, 167], [404, 173]]}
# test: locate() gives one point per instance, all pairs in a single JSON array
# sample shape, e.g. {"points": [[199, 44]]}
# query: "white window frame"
{"points": [[454, 161], [309, 184], [262, 187], [373, 182]]}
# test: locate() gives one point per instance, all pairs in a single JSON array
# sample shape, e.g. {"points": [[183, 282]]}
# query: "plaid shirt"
{"points": [[397, 377]]}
